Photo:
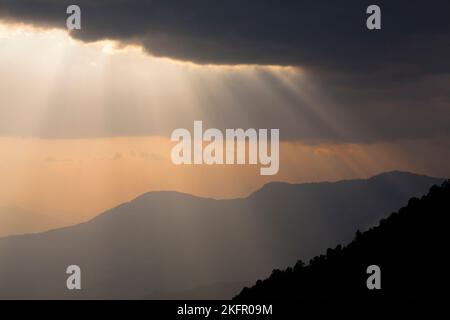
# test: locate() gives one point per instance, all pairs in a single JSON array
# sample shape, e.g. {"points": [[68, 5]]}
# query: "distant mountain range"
{"points": [[14, 220], [410, 248], [164, 243]]}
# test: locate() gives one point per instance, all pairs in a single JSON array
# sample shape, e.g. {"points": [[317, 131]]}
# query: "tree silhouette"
{"points": [[410, 247]]}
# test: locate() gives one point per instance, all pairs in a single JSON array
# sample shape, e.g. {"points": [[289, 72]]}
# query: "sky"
{"points": [[86, 116]]}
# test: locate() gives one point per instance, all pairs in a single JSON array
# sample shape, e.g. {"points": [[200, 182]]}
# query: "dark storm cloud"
{"points": [[328, 34], [385, 84]]}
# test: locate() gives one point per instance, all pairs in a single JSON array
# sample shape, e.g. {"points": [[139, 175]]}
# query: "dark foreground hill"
{"points": [[410, 247], [168, 244]]}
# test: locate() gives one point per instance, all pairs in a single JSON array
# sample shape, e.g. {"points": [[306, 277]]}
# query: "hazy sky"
{"points": [[85, 118]]}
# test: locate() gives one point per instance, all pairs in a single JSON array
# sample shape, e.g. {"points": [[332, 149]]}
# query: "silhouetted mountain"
{"points": [[410, 247], [216, 291], [15, 220], [172, 242]]}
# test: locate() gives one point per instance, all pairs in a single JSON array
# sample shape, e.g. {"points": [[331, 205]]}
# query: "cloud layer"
{"points": [[306, 33]]}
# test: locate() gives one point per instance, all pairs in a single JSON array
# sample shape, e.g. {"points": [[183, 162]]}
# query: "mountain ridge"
{"points": [[266, 186], [172, 242]]}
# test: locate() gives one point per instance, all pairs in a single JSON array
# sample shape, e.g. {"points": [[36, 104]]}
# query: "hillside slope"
{"points": [[410, 247]]}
